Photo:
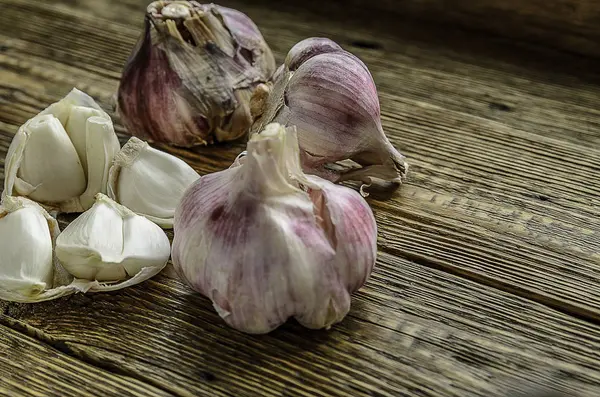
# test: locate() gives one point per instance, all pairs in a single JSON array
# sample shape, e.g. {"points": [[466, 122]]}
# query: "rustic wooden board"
{"points": [[413, 331], [568, 25], [489, 256], [30, 368]]}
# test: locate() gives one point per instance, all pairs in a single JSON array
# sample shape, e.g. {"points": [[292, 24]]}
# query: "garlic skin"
{"points": [[330, 96], [190, 78], [265, 242], [61, 157], [29, 271], [149, 182], [109, 243]]}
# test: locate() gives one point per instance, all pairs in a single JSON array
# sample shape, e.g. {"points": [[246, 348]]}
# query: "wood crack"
{"points": [[561, 306], [64, 347]]}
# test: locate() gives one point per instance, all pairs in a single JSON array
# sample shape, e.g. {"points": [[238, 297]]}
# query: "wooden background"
{"points": [[571, 26], [487, 282]]}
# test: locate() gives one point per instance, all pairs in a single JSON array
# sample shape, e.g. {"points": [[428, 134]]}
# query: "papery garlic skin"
{"points": [[330, 96], [28, 270], [149, 182], [265, 242], [191, 76], [61, 157], [110, 243]]}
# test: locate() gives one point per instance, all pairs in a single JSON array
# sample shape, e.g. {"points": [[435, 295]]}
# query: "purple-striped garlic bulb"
{"points": [[331, 98], [190, 78], [265, 242]]}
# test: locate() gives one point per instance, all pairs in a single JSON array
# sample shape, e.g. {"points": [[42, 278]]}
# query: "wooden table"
{"points": [[487, 280]]}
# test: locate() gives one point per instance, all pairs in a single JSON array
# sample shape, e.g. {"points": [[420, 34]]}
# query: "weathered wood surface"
{"points": [[567, 25], [488, 274]]}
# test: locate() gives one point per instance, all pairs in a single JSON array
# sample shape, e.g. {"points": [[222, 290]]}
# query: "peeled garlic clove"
{"points": [[330, 96], [265, 242], [109, 243], [191, 76], [60, 158], [28, 270], [149, 182]]}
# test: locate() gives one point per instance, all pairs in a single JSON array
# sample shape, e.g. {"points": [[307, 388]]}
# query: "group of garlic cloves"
{"points": [[68, 159], [269, 238]]}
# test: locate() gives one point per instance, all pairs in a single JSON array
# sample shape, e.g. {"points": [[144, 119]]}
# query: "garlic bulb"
{"points": [[191, 76], [61, 157], [330, 96], [149, 182], [28, 269], [109, 243], [265, 242]]}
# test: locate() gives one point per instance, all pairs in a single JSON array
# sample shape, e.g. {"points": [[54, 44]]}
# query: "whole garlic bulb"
{"points": [[265, 242], [29, 271], [110, 243], [330, 96], [149, 182], [61, 157], [191, 76]]}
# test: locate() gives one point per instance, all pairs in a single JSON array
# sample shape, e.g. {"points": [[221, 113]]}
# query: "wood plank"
{"points": [[505, 198], [508, 198], [536, 97], [568, 25], [413, 331], [30, 368]]}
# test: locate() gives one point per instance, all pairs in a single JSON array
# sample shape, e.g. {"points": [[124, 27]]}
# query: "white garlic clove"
{"points": [[149, 182], [28, 269], [62, 109], [265, 242], [62, 168], [101, 148], [76, 127], [49, 170], [109, 243]]}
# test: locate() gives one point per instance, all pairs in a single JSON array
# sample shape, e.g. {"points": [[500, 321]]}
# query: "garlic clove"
{"points": [[49, 178], [109, 243], [190, 77], [102, 145], [308, 48], [251, 46], [26, 246], [265, 242], [60, 158], [149, 182], [346, 217], [62, 109], [76, 127], [330, 96], [28, 269]]}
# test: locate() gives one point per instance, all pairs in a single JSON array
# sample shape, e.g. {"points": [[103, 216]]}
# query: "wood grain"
{"points": [[567, 25], [487, 279], [29, 368], [413, 331]]}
